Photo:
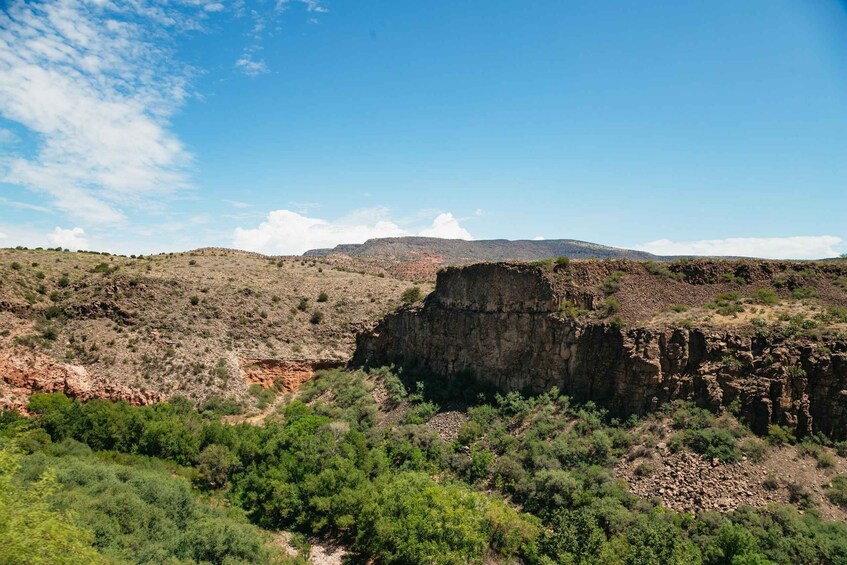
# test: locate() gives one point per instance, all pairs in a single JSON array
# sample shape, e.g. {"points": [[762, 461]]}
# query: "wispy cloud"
{"points": [[265, 18], [287, 232], [23, 205], [97, 86], [799, 247], [250, 66]]}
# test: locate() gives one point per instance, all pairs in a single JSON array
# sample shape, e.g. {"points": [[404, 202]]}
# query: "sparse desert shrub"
{"points": [[264, 396], [568, 309], [563, 261], [727, 304], [469, 432], [317, 317], [780, 435], [195, 300], [612, 283], [765, 296], [611, 305], [771, 482], [104, 269], [836, 492], [679, 308], [411, 295], [803, 292], [645, 469], [753, 448], [660, 270], [798, 494], [323, 297], [546, 264], [303, 305]]}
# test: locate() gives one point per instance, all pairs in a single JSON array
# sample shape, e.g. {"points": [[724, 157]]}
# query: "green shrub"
{"points": [[612, 283], [411, 295], [563, 261], [837, 490], [780, 435], [765, 296], [611, 305], [323, 297], [317, 317], [803, 292], [195, 300]]}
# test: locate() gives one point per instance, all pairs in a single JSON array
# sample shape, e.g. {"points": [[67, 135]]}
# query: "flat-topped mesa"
{"points": [[502, 323]]}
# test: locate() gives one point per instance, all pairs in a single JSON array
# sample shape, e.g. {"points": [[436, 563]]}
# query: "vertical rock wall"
{"points": [[500, 322]]}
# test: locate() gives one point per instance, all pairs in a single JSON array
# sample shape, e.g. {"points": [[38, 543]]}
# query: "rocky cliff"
{"points": [[507, 324]]}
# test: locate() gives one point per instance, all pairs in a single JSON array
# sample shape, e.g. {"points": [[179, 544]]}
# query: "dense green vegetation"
{"points": [[527, 480]]}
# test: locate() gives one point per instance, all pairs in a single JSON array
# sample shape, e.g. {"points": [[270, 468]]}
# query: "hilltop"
{"points": [[459, 251]]}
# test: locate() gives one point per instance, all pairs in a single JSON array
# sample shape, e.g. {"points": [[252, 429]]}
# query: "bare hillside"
{"points": [[180, 323]]}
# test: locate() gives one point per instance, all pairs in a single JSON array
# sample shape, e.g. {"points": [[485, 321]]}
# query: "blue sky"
{"points": [[685, 127]]}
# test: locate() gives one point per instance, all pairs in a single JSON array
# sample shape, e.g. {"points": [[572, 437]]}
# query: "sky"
{"points": [[687, 127]]}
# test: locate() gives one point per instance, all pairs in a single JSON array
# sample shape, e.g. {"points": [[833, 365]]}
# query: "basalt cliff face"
{"points": [[502, 323]]}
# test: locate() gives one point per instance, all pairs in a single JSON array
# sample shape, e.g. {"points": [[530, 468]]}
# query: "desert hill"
{"points": [[145, 328], [459, 251]]}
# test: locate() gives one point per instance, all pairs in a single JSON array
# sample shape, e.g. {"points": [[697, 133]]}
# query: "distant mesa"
{"points": [[461, 251]]}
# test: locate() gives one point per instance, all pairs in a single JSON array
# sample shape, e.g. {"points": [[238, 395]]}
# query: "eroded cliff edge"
{"points": [[513, 325]]}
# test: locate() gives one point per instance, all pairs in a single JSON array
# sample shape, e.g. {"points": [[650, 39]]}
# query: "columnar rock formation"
{"points": [[502, 323]]}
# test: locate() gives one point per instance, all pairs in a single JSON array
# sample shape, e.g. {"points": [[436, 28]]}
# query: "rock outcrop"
{"points": [[285, 375], [24, 371], [502, 323]]}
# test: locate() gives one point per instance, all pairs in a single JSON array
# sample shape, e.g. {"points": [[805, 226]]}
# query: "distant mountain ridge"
{"points": [[462, 251]]}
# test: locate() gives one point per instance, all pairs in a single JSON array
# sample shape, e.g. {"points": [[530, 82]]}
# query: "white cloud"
{"points": [[214, 7], [3, 235], [538, 238], [93, 80], [72, 239], [447, 227], [289, 233], [250, 67], [800, 247]]}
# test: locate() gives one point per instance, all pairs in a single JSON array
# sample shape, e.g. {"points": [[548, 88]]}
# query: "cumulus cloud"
{"points": [[288, 233], [72, 239], [538, 238], [97, 85], [447, 227], [799, 247]]}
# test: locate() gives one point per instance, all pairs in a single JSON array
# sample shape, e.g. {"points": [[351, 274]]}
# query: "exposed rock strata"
{"points": [[500, 322], [24, 371], [284, 374]]}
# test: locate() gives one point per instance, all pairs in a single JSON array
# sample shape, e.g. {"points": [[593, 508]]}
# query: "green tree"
{"points": [[32, 534]]}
